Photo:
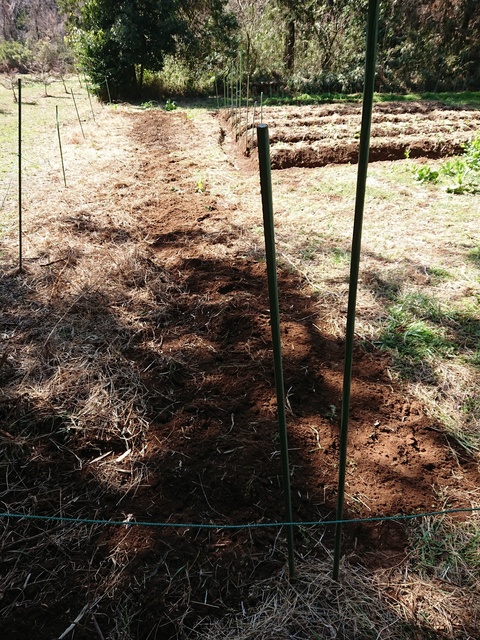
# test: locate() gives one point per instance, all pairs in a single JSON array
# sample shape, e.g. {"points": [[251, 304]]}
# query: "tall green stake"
{"points": [[20, 247], [78, 115], [372, 31], [60, 145], [216, 92], [90, 100], [108, 91], [267, 205]]}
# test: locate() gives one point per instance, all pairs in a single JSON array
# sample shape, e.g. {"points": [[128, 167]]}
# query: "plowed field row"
{"points": [[329, 134]]}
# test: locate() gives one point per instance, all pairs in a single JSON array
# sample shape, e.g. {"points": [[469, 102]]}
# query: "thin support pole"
{"points": [[239, 94], [60, 145], [78, 115], [216, 92], [237, 104], [261, 107], [90, 101], [246, 129], [108, 91], [240, 80], [372, 32], [20, 213], [268, 225]]}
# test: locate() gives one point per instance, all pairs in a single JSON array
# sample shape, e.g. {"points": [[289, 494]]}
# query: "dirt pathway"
{"points": [[224, 414]]}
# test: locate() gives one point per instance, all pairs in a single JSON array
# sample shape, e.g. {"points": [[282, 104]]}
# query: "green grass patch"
{"points": [[414, 341], [413, 331], [309, 99], [474, 256], [340, 255], [418, 329], [474, 358], [467, 98], [448, 550], [438, 274]]}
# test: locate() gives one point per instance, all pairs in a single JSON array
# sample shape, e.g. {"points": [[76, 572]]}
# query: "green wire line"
{"points": [[253, 525]]}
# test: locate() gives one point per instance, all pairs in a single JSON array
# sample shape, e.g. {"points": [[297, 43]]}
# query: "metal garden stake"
{"points": [[20, 248], [60, 145], [267, 205], [372, 30]]}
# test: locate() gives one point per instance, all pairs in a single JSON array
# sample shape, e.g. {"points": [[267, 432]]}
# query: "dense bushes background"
{"points": [[300, 46]]}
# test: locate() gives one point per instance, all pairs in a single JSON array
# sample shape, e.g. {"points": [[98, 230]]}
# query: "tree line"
{"points": [[300, 45]]}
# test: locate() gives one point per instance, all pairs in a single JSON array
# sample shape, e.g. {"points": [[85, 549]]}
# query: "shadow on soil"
{"points": [[210, 451]]}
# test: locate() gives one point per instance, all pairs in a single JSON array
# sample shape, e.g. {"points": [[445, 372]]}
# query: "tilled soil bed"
{"points": [[321, 135]]}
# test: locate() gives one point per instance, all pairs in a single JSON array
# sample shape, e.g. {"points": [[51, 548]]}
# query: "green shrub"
{"points": [[14, 56]]}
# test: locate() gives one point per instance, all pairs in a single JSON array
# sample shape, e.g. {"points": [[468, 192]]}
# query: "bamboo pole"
{"points": [[108, 91], [253, 122], [216, 92], [246, 118]]}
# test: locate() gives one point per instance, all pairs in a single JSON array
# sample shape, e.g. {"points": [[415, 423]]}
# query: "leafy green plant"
{"points": [[150, 104], [170, 105], [472, 154], [453, 167], [426, 174], [463, 186], [464, 170]]}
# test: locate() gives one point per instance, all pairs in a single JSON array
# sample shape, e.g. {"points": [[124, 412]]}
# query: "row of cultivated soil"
{"points": [[321, 135]]}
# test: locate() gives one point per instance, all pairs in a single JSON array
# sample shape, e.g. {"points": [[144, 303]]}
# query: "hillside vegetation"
{"points": [[146, 46]]}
